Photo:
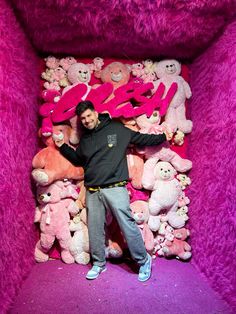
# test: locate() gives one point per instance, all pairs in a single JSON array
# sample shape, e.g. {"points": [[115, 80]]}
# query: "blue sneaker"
{"points": [[145, 270], [95, 271]]}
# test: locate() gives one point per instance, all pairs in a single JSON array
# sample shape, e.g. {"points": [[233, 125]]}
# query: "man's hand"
{"points": [[58, 139]]}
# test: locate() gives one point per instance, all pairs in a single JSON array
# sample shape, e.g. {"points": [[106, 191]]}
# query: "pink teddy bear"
{"points": [[96, 65], [51, 62], [53, 214], [140, 214], [178, 246], [78, 73], [46, 111], [65, 63], [165, 195]]}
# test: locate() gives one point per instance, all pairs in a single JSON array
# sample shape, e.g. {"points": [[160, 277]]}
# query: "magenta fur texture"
{"points": [[212, 150], [19, 90], [125, 29]]}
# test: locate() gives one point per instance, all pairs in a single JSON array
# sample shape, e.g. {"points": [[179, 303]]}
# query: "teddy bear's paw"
{"points": [[40, 176], [67, 257], [112, 252], [185, 126], [46, 134], [74, 139], [82, 258], [182, 165], [175, 220], [185, 255], [40, 256]]}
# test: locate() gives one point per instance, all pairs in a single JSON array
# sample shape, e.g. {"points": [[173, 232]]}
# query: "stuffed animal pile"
{"points": [[149, 97]]}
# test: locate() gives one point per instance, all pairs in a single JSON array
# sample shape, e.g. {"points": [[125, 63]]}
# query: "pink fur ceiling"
{"points": [[124, 28]]}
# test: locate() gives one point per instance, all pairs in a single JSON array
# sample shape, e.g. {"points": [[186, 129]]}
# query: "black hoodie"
{"points": [[102, 151]]}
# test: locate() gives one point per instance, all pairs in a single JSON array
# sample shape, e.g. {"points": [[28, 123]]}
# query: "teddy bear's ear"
{"points": [[129, 67], [174, 171]]}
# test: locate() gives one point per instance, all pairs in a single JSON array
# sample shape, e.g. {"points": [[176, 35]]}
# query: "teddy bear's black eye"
{"points": [[85, 72], [168, 170], [167, 66], [48, 194], [80, 71], [161, 168]]}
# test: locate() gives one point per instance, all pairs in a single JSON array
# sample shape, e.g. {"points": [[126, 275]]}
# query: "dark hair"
{"points": [[83, 106]]}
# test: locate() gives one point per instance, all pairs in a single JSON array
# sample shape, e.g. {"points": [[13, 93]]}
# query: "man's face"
{"points": [[89, 119]]}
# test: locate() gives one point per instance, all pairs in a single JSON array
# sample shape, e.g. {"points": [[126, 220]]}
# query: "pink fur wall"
{"points": [[212, 150], [124, 28], [18, 142]]}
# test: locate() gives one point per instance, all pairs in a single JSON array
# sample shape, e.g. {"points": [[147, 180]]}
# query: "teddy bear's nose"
{"points": [[154, 114], [41, 197]]}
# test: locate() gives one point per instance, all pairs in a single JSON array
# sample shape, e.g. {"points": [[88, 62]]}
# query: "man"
{"points": [[102, 154]]}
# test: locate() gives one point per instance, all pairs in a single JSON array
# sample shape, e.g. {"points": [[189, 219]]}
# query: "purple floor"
{"points": [[175, 287]]}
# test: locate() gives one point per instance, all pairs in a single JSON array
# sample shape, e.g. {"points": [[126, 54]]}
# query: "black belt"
{"points": [[106, 186]]}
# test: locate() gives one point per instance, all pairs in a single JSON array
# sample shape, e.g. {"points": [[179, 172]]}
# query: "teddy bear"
{"points": [[178, 138], [178, 246], [114, 240], [158, 245], [168, 72], [137, 195], [149, 66], [59, 75], [51, 62], [56, 203], [49, 164], [135, 167], [46, 110], [183, 212], [165, 191], [184, 180], [66, 62], [52, 85], [116, 73], [79, 246], [178, 218], [183, 200], [163, 152], [47, 75], [78, 73], [96, 65], [140, 213], [144, 71], [165, 233]]}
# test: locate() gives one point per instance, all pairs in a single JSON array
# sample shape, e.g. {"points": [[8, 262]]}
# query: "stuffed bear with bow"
{"points": [[56, 203]]}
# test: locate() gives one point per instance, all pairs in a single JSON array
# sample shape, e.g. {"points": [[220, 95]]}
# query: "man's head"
{"points": [[87, 114]]}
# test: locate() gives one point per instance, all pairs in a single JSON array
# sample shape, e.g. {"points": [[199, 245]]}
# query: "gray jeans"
{"points": [[117, 201]]}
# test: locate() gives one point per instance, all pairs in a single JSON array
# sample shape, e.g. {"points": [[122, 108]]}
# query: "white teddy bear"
{"points": [[165, 195], [79, 247], [168, 72]]}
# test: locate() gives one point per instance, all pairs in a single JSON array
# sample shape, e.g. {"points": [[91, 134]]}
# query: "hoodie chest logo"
{"points": [[112, 140]]}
